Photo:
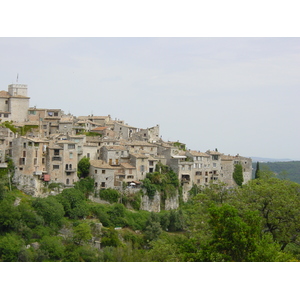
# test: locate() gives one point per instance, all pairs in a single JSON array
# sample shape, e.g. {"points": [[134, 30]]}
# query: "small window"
{"points": [[56, 151], [103, 171], [103, 184], [96, 171], [55, 167], [5, 115], [71, 146]]}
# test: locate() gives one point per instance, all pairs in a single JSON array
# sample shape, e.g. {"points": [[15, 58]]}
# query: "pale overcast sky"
{"points": [[239, 95]]}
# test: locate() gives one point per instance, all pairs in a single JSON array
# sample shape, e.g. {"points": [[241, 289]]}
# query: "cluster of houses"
{"points": [[120, 155]]}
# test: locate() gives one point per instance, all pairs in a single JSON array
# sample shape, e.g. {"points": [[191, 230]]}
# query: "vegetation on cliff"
{"points": [[258, 221]]}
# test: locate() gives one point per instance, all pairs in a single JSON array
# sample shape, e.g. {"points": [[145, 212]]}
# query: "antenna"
{"points": [[17, 77]]}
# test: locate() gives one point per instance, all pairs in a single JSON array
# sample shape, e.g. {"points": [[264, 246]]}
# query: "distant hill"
{"points": [[263, 159], [285, 170]]}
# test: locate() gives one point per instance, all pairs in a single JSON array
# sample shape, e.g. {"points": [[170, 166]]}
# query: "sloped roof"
{"points": [[4, 94], [101, 164], [127, 166], [98, 128], [198, 153]]}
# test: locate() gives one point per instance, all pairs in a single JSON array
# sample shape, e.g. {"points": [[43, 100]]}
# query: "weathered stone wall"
{"points": [[154, 205]]}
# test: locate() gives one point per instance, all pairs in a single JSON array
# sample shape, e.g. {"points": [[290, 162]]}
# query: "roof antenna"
{"points": [[17, 77]]}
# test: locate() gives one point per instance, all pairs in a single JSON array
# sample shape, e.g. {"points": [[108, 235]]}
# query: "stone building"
{"points": [[30, 161], [14, 104]]}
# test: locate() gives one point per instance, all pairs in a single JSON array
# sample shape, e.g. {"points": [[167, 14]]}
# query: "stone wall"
{"points": [[154, 205]]}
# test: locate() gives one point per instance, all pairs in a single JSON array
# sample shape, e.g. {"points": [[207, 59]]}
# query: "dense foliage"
{"points": [[258, 221]]}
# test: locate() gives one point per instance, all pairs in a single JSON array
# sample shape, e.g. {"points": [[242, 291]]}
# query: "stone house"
{"points": [[29, 157], [150, 135], [14, 104], [103, 174], [114, 155], [124, 131], [227, 168], [63, 160]]}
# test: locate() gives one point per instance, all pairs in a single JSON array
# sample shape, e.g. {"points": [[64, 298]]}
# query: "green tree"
{"points": [[232, 239], [53, 247], [110, 195], [153, 228], [9, 215], [257, 171], [83, 167], [82, 233], [74, 203], [50, 209], [238, 174], [10, 247], [86, 186], [277, 202]]}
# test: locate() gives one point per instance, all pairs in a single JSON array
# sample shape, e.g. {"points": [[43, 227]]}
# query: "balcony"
{"points": [[185, 178], [71, 170], [56, 158]]}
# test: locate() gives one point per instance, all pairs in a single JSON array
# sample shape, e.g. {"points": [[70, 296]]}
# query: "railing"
{"points": [[71, 170]]}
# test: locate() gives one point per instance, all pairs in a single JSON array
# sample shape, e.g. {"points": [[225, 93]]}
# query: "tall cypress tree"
{"points": [[238, 174], [257, 172]]}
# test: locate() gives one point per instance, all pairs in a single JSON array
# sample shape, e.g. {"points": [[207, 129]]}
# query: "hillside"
{"points": [[285, 170]]}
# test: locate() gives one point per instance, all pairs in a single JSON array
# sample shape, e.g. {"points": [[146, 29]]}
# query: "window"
{"points": [[103, 184], [56, 151], [142, 168], [71, 155], [71, 146], [68, 173], [55, 167], [5, 115], [56, 114], [32, 112], [22, 161], [103, 171], [43, 160], [35, 161], [96, 171], [36, 154], [88, 155], [214, 165], [68, 181], [24, 145], [24, 153]]}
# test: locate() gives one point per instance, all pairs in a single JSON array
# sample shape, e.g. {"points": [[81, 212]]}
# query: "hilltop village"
{"points": [[49, 144]]}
